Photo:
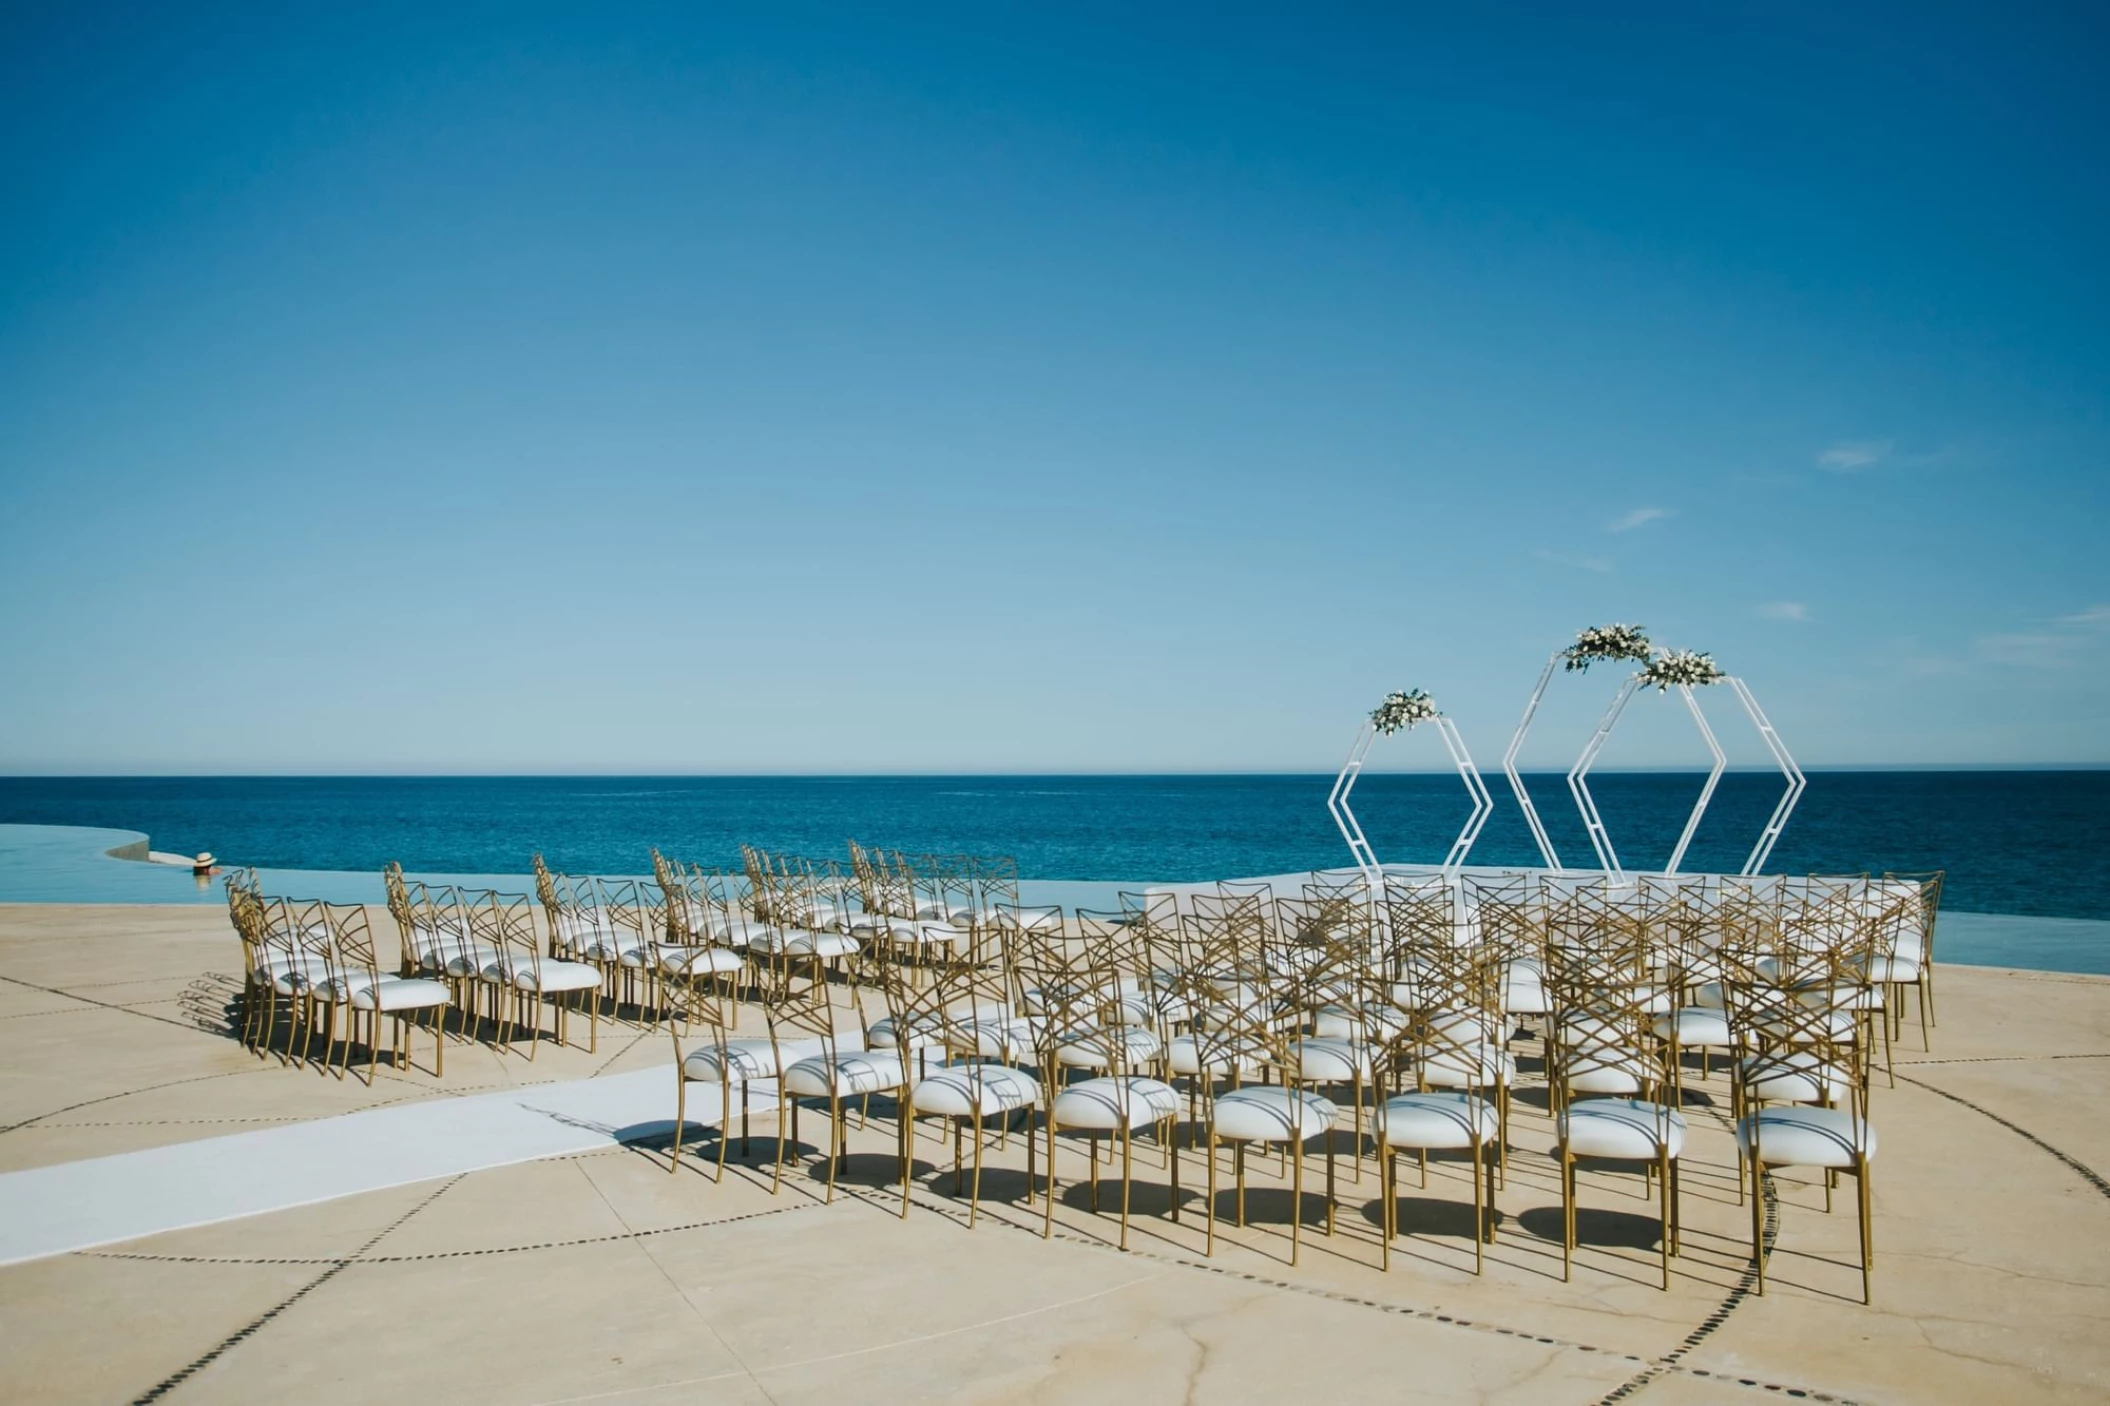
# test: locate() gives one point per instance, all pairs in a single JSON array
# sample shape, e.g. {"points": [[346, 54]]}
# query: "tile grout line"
{"points": [[257, 1324]]}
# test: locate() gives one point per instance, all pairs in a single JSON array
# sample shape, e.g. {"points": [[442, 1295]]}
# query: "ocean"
{"points": [[2013, 842]]}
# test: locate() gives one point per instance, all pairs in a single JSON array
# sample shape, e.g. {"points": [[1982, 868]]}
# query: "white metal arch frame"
{"points": [[1509, 762], [1352, 830], [1593, 823]]}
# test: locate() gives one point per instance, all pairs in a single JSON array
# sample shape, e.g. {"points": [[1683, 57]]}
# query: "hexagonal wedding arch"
{"points": [[1683, 670], [1402, 711]]}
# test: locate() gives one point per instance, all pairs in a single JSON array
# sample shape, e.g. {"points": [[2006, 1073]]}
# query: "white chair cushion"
{"points": [[925, 1032], [1695, 1027], [995, 1036], [741, 1061], [345, 986], [1346, 1022], [1099, 1104], [1184, 1055], [1900, 968], [699, 961], [394, 993], [848, 1074], [1271, 1113], [1805, 1137], [870, 925], [545, 975], [1324, 1060], [1475, 1066], [464, 960], [1626, 1128], [804, 942], [603, 948], [1524, 990], [1442, 1120], [1796, 1076], [974, 1090], [1091, 1048]]}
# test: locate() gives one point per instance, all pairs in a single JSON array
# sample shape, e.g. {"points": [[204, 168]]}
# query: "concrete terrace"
{"points": [[586, 1273]]}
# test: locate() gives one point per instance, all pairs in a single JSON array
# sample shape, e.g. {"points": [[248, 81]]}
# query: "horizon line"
{"points": [[1075, 774]]}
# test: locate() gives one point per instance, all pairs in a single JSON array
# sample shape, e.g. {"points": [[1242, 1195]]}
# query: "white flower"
{"points": [[1402, 710], [1680, 667], [1602, 642]]}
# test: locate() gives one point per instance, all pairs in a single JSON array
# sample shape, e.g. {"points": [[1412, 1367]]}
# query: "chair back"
{"points": [[1243, 1013]]}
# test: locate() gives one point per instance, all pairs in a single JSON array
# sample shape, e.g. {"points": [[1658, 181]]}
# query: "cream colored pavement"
{"points": [[597, 1276]]}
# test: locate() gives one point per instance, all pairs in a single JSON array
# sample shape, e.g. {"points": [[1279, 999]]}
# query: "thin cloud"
{"points": [[2095, 617], [1639, 517], [2032, 649], [1851, 456], [1785, 610], [1599, 565]]}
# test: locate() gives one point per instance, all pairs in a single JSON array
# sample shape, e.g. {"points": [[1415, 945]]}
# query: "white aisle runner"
{"points": [[76, 1205]]}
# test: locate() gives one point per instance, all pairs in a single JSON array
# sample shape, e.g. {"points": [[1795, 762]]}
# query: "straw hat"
{"points": [[204, 857]]}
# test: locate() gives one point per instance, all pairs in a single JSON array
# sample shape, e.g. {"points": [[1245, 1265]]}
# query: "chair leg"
{"points": [[776, 1179], [974, 1195], [1663, 1235], [1388, 1213], [1329, 1176], [1758, 1220], [1209, 1247], [1170, 1134], [1868, 1246], [1126, 1166], [1296, 1197], [681, 1109], [835, 1115], [904, 1142], [1047, 1224], [1358, 1091], [1032, 1141], [1482, 1194], [1677, 1208], [1567, 1216]]}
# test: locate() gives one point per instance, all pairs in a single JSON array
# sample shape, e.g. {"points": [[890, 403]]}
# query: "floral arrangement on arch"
{"points": [[1403, 710], [1606, 643], [1681, 668]]}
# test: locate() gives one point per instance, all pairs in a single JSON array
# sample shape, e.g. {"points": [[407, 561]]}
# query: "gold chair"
{"points": [[1447, 1018], [1804, 1091], [800, 1004], [523, 979], [357, 986], [1611, 1075], [1089, 1016], [721, 1058], [1239, 1024], [967, 1091], [694, 946]]}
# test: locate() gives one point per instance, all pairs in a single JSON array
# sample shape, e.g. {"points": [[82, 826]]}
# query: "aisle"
{"points": [[54, 1210]]}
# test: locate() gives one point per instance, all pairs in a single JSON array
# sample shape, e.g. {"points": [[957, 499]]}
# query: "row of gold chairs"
{"points": [[1404, 1005]]}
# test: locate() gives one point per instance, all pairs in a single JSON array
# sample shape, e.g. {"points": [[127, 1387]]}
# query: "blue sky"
{"points": [[809, 389]]}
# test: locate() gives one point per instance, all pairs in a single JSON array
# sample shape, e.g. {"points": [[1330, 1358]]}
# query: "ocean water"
{"points": [[2018, 843]]}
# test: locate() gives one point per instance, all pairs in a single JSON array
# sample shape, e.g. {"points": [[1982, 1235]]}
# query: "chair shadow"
{"points": [[1594, 1226], [1266, 1205], [1429, 1215], [1534, 1097], [213, 1002], [1146, 1197]]}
